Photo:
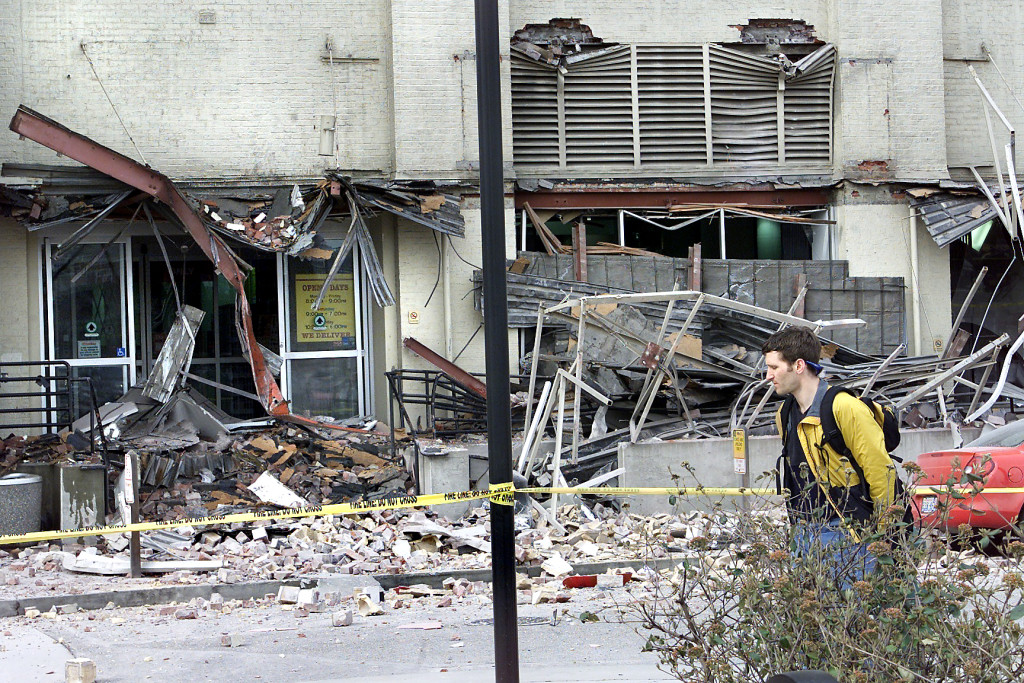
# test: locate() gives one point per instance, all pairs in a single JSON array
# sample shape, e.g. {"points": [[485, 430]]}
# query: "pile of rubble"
{"points": [[380, 542]]}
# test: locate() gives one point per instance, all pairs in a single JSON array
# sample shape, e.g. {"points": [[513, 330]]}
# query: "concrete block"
{"points": [[288, 595], [341, 584], [342, 618], [80, 670], [446, 472], [82, 496], [373, 592], [308, 597], [232, 640], [650, 464]]}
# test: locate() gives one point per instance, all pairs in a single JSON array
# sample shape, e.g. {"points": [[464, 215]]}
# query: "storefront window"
{"points": [[89, 311]]}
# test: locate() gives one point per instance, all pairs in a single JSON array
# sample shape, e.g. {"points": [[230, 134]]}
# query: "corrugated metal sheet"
{"points": [[412, 200], [949, 217]]}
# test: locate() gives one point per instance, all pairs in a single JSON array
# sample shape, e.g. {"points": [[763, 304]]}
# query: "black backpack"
{"points": [[886, 418]]}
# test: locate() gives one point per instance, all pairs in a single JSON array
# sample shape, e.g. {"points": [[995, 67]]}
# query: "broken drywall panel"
{"points": [[270, 490]]}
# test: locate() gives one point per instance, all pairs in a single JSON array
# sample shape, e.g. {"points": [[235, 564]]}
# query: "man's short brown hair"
{"points": [[792, 343]]}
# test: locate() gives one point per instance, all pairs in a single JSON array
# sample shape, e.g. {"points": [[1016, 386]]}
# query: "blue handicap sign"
{"points": [[122, 352]]}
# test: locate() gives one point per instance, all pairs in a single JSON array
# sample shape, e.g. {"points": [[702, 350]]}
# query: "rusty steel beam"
{"points": [[630, 196], [447, 367], [62, 140]]}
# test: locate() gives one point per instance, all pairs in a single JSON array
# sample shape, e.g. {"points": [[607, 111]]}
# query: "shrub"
{"points": [[755, 609]]}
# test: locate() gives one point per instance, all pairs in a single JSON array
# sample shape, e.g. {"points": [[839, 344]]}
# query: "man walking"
{"points": [[834, 497]]}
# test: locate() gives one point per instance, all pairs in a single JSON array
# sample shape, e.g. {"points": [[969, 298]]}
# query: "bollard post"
{"points": [[132, 493]]}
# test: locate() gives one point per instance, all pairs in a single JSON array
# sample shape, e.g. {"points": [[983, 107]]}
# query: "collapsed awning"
{"points": [[287, 223], [949, 217]]}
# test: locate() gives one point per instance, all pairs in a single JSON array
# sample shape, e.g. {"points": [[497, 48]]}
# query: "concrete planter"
{"points": [[20, 503]]}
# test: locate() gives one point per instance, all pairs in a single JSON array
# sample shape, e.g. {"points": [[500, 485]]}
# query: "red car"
{"points": [[997, 457]]}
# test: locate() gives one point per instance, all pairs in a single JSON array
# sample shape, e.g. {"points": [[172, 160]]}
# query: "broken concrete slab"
{"points": [[114, 566]]}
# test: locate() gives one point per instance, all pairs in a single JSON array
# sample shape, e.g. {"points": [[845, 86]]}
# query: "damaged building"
{"points": [[282, 220]]}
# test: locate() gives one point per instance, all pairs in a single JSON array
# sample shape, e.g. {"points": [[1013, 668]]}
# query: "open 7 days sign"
{"points": [[335, 321]]}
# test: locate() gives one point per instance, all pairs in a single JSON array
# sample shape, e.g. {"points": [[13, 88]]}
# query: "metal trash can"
{"points": [[21, 497]]}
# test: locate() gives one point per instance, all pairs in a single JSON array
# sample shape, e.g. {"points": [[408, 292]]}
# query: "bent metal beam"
{"points": [[49, 133]]}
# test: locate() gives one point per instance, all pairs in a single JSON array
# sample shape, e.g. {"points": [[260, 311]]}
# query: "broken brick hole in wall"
{"points": [[878, 166], [777, 31], [557, 33]]}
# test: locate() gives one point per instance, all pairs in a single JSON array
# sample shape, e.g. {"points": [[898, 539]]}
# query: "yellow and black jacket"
{"points": [[844, 491]]}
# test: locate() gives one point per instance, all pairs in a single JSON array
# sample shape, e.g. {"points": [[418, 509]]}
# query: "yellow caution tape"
{"points": [[503, 494], [354, 508], [943, 491], [656, 491], [500, 494]]}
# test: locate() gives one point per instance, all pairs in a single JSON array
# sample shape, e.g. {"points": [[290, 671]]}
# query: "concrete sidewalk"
{"points": [[278, 644], [29, 655], [596, 673]]}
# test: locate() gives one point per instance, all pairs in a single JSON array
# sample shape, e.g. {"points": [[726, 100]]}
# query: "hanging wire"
{"points": [[107, 95], [460, 255], [437, 245]]}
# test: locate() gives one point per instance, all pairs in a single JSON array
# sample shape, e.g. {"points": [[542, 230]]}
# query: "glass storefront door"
{"points": [[219, 370], [325, 351], [88, 322]]}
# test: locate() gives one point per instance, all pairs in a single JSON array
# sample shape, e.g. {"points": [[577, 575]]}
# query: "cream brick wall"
{"points": [[889, 88], [241, 97], [967, 24], [417, 260], [434, 53]]}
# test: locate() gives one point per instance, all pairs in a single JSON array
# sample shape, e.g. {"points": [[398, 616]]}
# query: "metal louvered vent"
{"points": [[808, 109], [535, 113], [670, 80], [657, 107], [744, 107], [599, 111]]}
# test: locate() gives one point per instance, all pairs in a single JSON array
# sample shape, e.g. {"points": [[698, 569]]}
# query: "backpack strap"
{"points": [[785, 415], [830, 433], [832, 436]]}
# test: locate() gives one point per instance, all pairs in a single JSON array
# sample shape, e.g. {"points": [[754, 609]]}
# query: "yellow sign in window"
{"points": [[335, 321]]}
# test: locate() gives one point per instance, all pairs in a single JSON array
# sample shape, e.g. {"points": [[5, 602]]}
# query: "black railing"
{"points": [[53, 388]]}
